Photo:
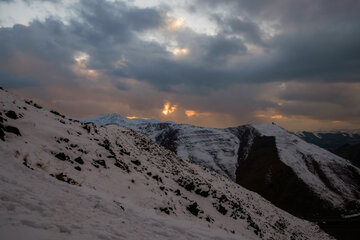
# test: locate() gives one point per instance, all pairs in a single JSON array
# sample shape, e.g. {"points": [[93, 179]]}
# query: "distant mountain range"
{"points": [[342, 143], [331, 140], [63, 179], [304, 179]]}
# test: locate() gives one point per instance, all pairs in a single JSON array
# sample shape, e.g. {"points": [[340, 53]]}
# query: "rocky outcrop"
{"points": [[263, 172]]}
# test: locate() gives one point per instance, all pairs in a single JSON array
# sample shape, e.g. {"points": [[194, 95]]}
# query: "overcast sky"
{"points": [[214, 63]]}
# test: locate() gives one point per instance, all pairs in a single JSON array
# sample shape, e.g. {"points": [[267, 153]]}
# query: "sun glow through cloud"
{"points": [[174, 23], [180, 51], [190, 113], [168, 108], [135, 117], [80, 67], [81, 57], [277, 116]]}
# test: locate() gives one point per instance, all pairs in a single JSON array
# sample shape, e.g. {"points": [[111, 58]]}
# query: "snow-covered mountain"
{"points": [[302, 178], [331, 140], [345, 144], [299, 177], [209, 147], [62, 179]]}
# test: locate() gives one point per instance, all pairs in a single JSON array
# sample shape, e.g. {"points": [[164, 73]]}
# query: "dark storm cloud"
{"points": [[117, 20], [49, 39], [324, 50], [9, 81], [333, 101], [31, 1], [306, 41], [103, 30], [287, 11], [220, 48], [319, 44], [242, 27]]}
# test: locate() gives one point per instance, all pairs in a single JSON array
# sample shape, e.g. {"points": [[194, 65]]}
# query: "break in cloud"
{"points": [[221, 63]]}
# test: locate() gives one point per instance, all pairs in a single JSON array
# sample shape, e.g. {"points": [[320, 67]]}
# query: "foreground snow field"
{"points": [[61, 179]]}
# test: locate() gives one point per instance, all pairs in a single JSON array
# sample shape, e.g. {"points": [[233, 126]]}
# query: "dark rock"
{"points": [[186, 183], [100, 162], [105, 144], [78, 168], [33, 104], [202, 192], [2, 133], [87, 128], [193, 208], [82, 151], [120, 164], [13, 130], [37, 106], [209, 219], [157, 178], [166, 210], [62, 177], [61, 156], [136, 162], [221, 209], [252, 224], [119, 205], [26, 163], [57, 113], [79, 160], [168, 137], [223, 199], [123, 151], [11, 114], [292, 195]]}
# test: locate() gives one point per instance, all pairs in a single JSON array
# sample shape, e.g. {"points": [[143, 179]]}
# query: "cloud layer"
{"points": [[297, 60]]}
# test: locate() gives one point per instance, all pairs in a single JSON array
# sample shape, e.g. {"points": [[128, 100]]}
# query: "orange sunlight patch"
{"points": [[277, 117], [190, 113], [168, 108]]}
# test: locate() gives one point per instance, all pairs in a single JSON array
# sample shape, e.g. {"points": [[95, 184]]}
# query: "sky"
{"points": [[211, 63]]}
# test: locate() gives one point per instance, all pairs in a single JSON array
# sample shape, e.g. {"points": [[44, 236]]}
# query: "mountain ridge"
{"points": [[64, 179], [331, 180]]}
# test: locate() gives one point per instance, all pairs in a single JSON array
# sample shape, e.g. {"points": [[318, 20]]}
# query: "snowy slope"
{"points": [[61, 179], [302, 156], [213, 148], [326, 178], [297, 176]]}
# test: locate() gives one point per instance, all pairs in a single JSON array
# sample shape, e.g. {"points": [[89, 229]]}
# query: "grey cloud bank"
{"points": [[258, 45]]}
